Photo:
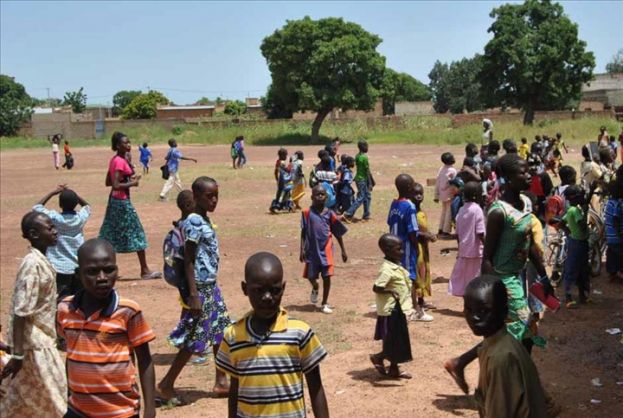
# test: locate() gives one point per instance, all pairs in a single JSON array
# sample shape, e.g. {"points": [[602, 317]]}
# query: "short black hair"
{"points": [[29, 221], [567, 173], [472, 191], [507, 164], [509, 144], [199, 183], [402, 182], [489, 281], [93, 243], [447, 158], [144, 144], [183, 197], [115, 139], [322, 153], [262, 261], [300, 155], [471, 148], [385, 239], [573, 191], [469, 162], [524, 140], [282, 152], [172, 142], [362, 145], [493, 147], [68, 200]]}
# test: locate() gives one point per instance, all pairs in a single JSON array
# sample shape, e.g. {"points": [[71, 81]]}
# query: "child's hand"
{"points": [[60, 188], [432, 237], [195, 305], [396, 296], [301, 258], [12, 368], [344, 256]]}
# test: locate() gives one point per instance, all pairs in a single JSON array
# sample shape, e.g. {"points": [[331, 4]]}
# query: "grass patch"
{"points": [[409, 130]]}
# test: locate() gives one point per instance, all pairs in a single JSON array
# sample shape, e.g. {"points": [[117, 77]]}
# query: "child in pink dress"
{"points": [[470, 229]]}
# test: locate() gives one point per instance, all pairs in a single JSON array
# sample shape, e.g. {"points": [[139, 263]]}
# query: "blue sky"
{"points": [[192, 49]]}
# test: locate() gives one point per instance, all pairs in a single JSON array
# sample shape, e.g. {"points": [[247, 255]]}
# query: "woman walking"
{"points": [[122, 226]]}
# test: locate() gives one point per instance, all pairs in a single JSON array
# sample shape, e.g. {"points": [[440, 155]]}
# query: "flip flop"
{"points": [[169, 403], [152, 275], [378, 366], [401, 375], [460, 383]]}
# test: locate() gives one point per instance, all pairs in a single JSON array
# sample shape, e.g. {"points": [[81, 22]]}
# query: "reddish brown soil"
{"points": [[579, 349]]}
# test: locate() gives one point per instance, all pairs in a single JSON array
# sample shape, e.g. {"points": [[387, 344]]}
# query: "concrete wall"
{"points": [[590, 105], [471, 118], [164, 114], [414, 108]]}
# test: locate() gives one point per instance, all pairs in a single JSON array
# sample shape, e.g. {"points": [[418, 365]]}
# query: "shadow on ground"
{"points": [[455, 404]]}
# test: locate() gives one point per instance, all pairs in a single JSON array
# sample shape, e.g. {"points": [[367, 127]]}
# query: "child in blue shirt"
{"points": [[70, 226], [402, 221], [145, 157], [344, 188], [614, 228]]}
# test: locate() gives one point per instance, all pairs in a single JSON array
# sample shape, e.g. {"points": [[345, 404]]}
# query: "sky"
{"points": [[189, 50]]}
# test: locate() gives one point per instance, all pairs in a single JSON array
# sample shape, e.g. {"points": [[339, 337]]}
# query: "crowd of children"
{"points": [[499, 206]]}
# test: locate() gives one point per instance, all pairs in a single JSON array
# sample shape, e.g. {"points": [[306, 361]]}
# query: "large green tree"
{"points": [[616, 64], [455, 86], [235, 108], [122, 99], [319, 65], [144, 105], [398, 87], [76, 99], [535, 60], [15, 105]]}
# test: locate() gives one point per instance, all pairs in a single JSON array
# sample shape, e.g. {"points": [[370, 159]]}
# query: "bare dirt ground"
{"points": [[579, 349]]}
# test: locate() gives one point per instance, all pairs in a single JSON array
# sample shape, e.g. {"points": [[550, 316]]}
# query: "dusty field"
{"points": [[579, 349]]}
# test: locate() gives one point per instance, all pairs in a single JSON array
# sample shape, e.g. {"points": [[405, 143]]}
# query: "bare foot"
{"points": [[165, 393], [221, 390], [457, 373]]}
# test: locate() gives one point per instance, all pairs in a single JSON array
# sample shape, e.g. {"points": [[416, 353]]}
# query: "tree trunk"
{"points": [[322, 113], [528, 116]]}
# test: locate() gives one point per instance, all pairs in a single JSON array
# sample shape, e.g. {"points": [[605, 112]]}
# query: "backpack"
{"points": [[554, 207], [234, 150], [173, 254], [313, 180]]}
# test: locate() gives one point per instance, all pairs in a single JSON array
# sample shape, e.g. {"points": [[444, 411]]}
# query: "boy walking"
{"points": [[365, 184], [103, 331], [285, 348], [508, 383], [318, 226], [173, 158], [37, 387], [70, 226]]}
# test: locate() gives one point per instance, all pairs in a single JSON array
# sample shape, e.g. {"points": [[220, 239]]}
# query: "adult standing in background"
{"points": [[487, 126], [122, 226], [173, 158]]}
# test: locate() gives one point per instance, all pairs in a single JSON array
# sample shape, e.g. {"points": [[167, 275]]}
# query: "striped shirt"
{"points": [[100, 371], [270, 368]]}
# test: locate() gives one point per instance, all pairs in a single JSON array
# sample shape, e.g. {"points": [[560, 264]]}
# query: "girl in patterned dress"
{"points": [[424, 276], [202, 325]]}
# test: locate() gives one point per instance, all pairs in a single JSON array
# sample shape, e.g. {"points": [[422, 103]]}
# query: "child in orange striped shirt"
{"points": [[103, 333]]}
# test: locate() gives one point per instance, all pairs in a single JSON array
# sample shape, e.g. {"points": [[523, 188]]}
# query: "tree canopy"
{"points": [[398, 87], [144, 105], [535, 60], [15, 105], [455, 87], [235, 108], [122, 99], [323, 64], [76, 99], [616, 63]]}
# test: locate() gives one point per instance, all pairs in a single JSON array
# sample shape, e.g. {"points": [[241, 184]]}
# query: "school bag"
{"points": [[234, 150], [165, 167], [173, 255]]}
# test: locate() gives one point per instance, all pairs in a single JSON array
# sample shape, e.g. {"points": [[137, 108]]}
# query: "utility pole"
{"points": [[48, 89]]}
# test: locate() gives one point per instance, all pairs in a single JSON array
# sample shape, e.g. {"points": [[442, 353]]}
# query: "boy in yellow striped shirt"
{"points": [[266, 353]]}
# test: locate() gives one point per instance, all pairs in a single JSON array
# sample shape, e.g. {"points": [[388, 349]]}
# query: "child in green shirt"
{"points": [[365, 184]]}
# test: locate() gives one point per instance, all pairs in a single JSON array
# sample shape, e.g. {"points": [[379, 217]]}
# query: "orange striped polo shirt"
{"points": [[100, 368]]}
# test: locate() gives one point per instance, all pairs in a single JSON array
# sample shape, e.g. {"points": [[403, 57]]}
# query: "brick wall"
{"points": [[472, 118]]}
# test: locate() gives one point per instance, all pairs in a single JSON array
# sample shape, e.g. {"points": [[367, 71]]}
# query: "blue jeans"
{"points": [[576, 269], [363, 196]]}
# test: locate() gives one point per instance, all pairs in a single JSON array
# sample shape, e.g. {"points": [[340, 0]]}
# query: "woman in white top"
{"points": [[487, 136], [56, 139]]}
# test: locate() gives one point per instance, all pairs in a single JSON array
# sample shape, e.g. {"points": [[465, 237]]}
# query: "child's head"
{"points": [[567, 174], [418, 194], [612, 139], [68, 200], [485, 305], [97, 268], [330, 149], [605, 155], [602, 129], [282, 153], [558, 135], [493, 148], [362, 146], [319, 196], [185, 202], [405, 185], [509, 146], [469, 162], [205, 193], [263, 284], [447, 158], [514, 171], [144, 144], [391, 245], [66, 142], [472, 192], [456, 186], [574, 194], [524, 140], [240, 138], [172, 142], [39, 229], [586, 153], [348, 161], [471, 150], [119, 142], [536, 148], [537, 138], [299, 155]]}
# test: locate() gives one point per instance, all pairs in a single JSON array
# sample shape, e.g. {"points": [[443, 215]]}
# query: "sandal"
{"points": [[152, 275], [378, 366], [169, 403], [401, 375]]}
